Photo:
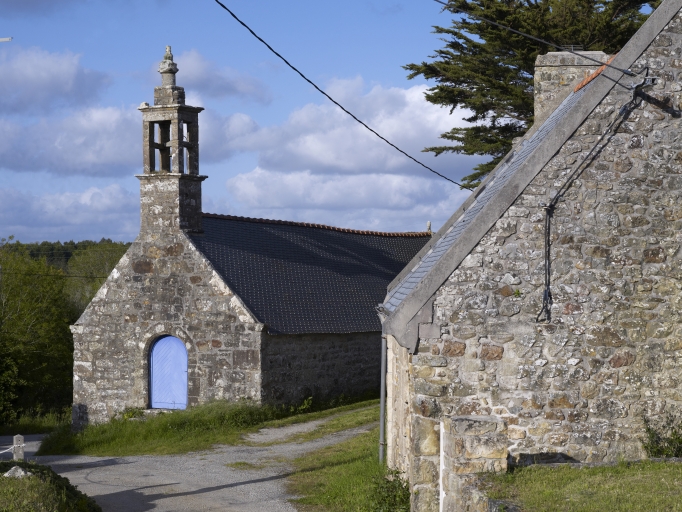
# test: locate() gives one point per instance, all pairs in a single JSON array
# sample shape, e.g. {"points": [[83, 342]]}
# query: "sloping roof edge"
{"points": [[396, 322], [317, 226]]}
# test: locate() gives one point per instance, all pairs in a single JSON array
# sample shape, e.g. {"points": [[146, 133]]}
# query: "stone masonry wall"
{"points": [[574, 388], [162, 286], [556, 75], [296, 367]]}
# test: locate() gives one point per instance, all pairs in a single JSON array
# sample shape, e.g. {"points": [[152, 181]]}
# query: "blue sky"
{"points": [[273, 147]]}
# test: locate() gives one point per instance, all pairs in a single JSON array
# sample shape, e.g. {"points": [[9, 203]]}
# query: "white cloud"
{"points": [[36, 81], [93, 141], [109, 212], [199, 74], [384, 202], [321, 166], [323, 139]]}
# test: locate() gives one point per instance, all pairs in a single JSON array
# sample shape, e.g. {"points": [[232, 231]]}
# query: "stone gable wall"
{"points": [[162, 286], [296, 367], [574, 388]]}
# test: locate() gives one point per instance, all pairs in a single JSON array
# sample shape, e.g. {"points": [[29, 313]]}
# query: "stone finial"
{"points": [[168, 68], [168, 93]]}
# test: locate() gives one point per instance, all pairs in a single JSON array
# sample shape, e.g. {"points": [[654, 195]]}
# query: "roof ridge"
{"points": [[594, 75], [318, 226]]}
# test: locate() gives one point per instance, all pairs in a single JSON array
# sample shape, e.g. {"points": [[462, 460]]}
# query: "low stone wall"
{"points": [[296, 367]]}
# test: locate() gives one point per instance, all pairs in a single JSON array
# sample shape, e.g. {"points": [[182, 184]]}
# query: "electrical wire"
{"points": [[546, 308], [562, 48], [468, 187]]}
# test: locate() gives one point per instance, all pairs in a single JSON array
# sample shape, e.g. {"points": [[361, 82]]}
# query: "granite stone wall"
{"points": [[296, 367], [162, 286], [556, 74], [574, 388]]}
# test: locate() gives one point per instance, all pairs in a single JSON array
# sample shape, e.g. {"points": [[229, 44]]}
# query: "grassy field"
{"points": [[645, 486], [194, 429], [35, 424], [346, 477], [45, 491]]}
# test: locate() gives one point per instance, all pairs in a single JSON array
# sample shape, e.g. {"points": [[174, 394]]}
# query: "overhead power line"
{"points": [[334, 101], [562, 48]]}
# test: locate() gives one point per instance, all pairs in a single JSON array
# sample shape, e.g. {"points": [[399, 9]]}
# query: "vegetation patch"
{"points": [[44, 289], [642, 486], [663, 437], [31, 423], [247, 466], [194, 429], [343, 419], [347, 477], [44, 491]]}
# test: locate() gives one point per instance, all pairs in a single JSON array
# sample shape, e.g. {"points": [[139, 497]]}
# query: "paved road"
{"points": [[198, 481]]}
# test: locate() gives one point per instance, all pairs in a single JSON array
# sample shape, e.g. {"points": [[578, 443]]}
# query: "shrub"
{"points": [[390, 493], [663, 438], [45, 491]]}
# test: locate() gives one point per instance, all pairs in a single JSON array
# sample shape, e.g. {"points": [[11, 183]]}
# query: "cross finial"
{"points": [[169, 55]]}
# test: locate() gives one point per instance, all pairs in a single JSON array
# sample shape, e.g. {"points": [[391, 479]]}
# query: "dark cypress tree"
{"points": [[489, 70]]}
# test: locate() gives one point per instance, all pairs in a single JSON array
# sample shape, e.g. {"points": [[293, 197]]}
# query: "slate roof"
{"points": [[504, 171], [306, 278]]}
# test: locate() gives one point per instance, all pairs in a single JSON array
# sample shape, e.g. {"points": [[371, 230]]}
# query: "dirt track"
{"points": [[196, 481]]}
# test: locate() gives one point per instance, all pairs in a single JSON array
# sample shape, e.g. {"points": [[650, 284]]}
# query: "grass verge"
{"points": [[194, 429], [338, 422], [346, 477], [35, 424], [643, 486], [44, 491]]}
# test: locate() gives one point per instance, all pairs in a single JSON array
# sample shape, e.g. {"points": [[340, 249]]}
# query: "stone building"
{"points": [[544, 319], [205, 307]]}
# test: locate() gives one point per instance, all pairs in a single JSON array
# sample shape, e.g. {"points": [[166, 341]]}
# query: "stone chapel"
{"points": [[217, 307], [543, 321]]}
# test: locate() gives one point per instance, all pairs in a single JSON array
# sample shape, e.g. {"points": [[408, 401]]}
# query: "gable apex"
{"points": [[469, 224]]}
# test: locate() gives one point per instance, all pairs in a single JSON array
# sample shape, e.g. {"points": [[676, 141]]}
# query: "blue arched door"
{"points": [[168, 374]]}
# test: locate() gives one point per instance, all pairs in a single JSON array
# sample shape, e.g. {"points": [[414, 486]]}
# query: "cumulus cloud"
{"points": [[321, 166], [109, 212], [212, 81], [10, 8], [93, 141], [384, 202], [36, 81], [323, 139]]}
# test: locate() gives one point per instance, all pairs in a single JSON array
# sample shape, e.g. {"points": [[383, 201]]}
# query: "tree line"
{"points": [[44, 288]]}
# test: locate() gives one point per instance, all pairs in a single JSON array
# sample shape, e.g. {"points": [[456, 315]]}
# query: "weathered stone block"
{"points": [[425, 436]]}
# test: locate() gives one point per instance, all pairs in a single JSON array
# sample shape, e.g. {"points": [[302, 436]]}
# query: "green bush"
{"points": [[390, 493], [44, 491], [35, 423], [663, 438]]}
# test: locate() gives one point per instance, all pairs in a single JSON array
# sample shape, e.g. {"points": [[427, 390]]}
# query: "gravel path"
{"points": [[199, 481]]}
